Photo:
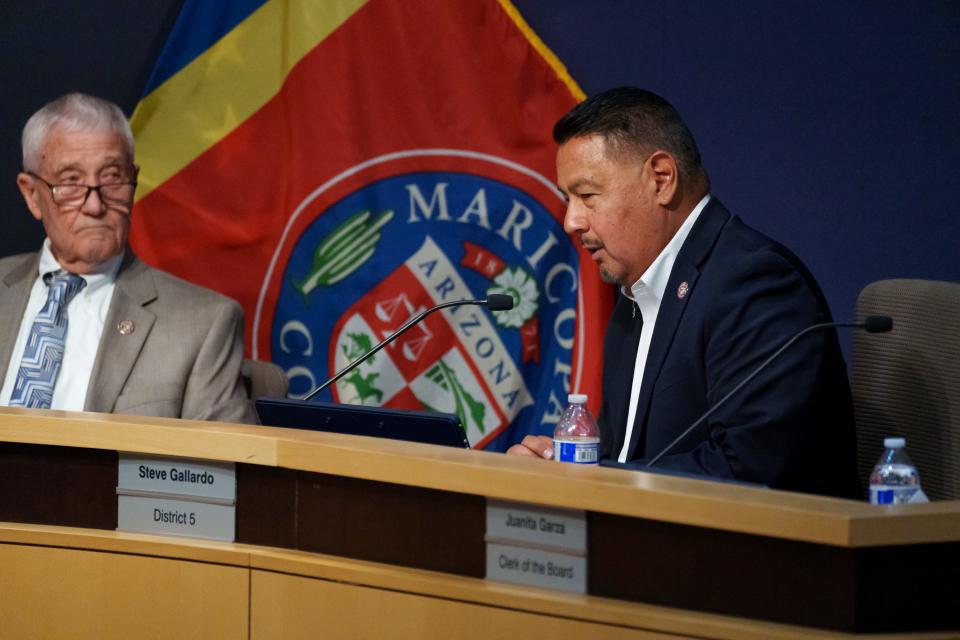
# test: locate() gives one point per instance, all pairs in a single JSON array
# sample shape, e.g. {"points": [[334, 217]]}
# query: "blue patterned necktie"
{"points": [[44, 351]]}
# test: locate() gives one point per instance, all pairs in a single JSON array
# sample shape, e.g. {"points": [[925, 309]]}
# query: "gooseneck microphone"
{"points": [[871, 324], [494, 302]]}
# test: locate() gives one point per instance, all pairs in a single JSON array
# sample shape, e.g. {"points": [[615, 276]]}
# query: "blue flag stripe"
{"points": [[200, 24]]}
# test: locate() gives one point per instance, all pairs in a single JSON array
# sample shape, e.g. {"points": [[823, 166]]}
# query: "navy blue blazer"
{"points": [[745, 295]]}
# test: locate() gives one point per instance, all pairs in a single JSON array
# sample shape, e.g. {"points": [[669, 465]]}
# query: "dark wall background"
{"points": [[832, 126]]}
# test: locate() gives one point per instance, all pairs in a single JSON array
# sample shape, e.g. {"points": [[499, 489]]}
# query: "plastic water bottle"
{"points": [[577, 437], [894, 479]]}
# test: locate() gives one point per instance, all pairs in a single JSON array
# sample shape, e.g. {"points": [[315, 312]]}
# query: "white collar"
{"points": [[103, 274]]}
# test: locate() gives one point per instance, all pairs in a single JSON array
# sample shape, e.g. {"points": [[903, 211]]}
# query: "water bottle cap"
{"points": [[577, 398], [894, 443]]}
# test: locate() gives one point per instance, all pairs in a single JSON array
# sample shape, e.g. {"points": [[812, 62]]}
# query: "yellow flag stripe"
{"points": [[543, 50], [226, 84]]}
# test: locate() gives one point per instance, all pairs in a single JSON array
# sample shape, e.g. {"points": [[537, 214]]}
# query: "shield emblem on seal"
{"points": [[453, 361]]}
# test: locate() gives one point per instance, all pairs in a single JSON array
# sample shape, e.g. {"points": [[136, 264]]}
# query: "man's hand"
{"points": [[533, 446]]}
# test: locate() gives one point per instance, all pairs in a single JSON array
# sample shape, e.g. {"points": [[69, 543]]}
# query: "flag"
{"points": [[339, 166]]}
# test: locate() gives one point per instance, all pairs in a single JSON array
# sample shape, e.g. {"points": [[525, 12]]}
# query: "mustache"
{"points": [[590, 244]]}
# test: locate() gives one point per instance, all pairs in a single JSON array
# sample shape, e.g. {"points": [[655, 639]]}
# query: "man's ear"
{"points": [[30, 191], [666, 175]]}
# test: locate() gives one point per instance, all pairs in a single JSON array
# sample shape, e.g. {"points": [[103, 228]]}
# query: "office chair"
{"points": [[907, 382], [264, 379]]}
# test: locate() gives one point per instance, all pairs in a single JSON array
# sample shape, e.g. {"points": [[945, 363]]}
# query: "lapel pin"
{"points": [[125, 327], [683, 290]]}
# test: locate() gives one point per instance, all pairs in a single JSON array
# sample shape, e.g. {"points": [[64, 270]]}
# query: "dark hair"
{"points": [[628, 116]]}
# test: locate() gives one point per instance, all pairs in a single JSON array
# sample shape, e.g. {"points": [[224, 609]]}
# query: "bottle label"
{"points": [[584, 451], [883, 494]]}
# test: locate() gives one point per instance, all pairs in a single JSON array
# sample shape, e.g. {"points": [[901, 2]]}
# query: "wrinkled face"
{"points": [[612, 207], [82, 236]]}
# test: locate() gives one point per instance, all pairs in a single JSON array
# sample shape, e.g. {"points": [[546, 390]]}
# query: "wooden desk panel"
{"points": [[294, 608], [58, 485], [677, 542], [103, 584], [50, 592], [393, 523]]}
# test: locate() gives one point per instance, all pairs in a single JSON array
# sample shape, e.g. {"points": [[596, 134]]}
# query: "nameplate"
{"points": [[178, 517], [531, 525], [178, 476], [537, 568]]}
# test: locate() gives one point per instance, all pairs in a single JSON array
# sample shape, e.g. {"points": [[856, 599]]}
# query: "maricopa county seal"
{"points": [[387, 244]]}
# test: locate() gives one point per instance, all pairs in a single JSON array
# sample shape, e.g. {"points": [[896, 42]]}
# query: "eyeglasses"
{"points": [[75, 195]]}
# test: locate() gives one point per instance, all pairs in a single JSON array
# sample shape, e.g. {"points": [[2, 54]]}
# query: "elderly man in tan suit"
{"points": [[84, 325]]}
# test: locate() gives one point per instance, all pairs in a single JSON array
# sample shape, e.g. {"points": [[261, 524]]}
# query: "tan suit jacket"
{"points": [[181, 360]]}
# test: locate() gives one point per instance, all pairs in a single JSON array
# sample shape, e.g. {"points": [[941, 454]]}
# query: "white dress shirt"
{"points": [[86, 314], [646, 293]]}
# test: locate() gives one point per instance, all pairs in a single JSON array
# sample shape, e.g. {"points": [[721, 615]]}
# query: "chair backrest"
{"points": [[264, 379], [907, 382]]}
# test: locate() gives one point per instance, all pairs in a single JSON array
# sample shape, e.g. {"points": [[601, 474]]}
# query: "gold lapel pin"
{"points": [[125, 327]]}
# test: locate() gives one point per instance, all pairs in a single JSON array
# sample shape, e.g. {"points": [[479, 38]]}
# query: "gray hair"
{"points": [[73, 112]]}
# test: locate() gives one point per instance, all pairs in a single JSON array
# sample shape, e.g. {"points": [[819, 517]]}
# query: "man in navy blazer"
{"points": [[703, 300]]}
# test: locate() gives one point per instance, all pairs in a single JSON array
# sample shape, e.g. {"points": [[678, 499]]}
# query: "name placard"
{"points": [[532, 525], [172, 516], [179, 476], [536, 567], [537, 546]]}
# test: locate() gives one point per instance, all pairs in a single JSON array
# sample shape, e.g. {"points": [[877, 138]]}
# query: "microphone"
{"points": [[494, 302], [871, 324]]}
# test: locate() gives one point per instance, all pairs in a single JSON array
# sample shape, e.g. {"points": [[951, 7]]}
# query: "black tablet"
{"points": [[358, 420]]}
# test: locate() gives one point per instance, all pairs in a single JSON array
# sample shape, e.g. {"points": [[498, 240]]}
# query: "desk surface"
{"points": [[729, 507]]}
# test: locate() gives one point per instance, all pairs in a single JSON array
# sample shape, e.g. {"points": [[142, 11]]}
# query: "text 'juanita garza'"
{"points": [[527, 522]]}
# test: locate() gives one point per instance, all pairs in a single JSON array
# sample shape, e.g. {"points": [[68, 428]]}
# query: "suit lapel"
{"points": [[118, 350], [14, 294], [686, 271]]}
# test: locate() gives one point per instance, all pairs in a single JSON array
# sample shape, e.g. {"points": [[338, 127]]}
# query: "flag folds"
{"points": [[339, 166]]}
